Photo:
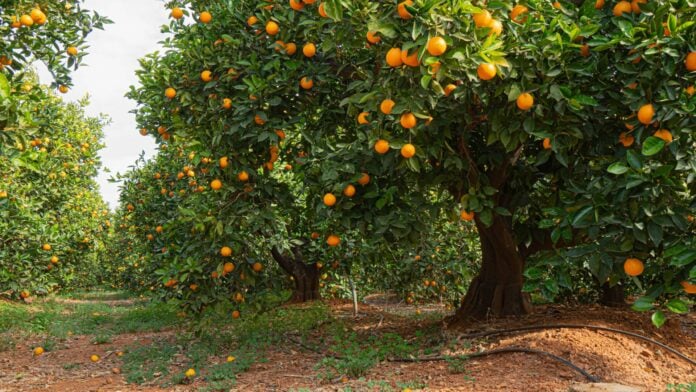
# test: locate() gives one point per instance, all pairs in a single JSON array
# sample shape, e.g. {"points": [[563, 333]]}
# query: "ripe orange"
{"points": [[394, 58], [372, 37], [486, 71], [622, 7], [690, 90], [272, 28], [329, 199], [386, 106], [556, 5], [252, 20], [243, 176], [226, 103], [436, 46], [449, 88], [645, 114], [205, 17], [257, 267], [94, 358], [296, 5], [412, 60], [364, 179], [496, 27], [382, 146], [54, 259], [225, 251], [626, 139], [599, 4], [546, 143], [159, 229], [402, 11], [315, 235], [236, 314], [38, 16], [228, 267], [309, 50], [63, 89], [26, 20], [72, 51], [633, 267], [215, 185], [333, 240], [306, 83], [47, 247], [690, 62], [322, 11], [206, 76], [259, 120], [466, 215], [38, 351], [408, 120], [177, 13], [24, 294], [688, 287], [483, 19], [349, 191], [408, 150], [585, 50], [223, 162], [170, 93], [635, 6], [516, 15], [290, 48], [664, 135], [362, 118], [525, 101]]}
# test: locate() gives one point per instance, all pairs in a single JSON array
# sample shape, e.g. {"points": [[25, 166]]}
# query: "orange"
{"points": [[690, 90], [159, 229], [24, 294], [290, 48], [26, 20], [466, 215], [38, 351], [382, 146], [349, 191], [38, 16], [170, 93], [306, 83], [664, 135], [297, 5], [386, 106], [436, 46], [402, 11], [315, 235], [434, 67], [72, 51], [243, 176], [372, 37], [633, 267], [205, 17], [63, 89], [621, 8], [486, 71], [483, 19], [280, 133], [496, 27], [333, 240], [329, 199], [408, 150], [364, 179], [226, 103], [362, 118], [235, 314], [252, 20], [223, 162], [690, 62], [394, 58], [635, 5], [54, 259], [94, 358], [408, 120], [225, 251], [46, 247], [206, 76], [585, 50], [546, 143], [177, 13], [626, 139], [688, 287], [516, 15], [645, 114], [412, 60], [259, 120], [449, 88], [309, 50], [525, 101], [556, 5], [322, 11], [599, 4], [272, 27], [228, 267], [215, 185], [257, 267]]}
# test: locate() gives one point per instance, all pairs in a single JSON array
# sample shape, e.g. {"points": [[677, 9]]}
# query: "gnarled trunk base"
{"points": [[612, 296], [306, 278]]}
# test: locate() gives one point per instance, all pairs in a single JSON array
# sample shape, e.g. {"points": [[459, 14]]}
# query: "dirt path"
{"points": [[611, 357]]}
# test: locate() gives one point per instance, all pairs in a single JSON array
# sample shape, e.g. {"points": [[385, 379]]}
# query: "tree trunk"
{"points": [[305, 276], [497, 290], [612, 296]]}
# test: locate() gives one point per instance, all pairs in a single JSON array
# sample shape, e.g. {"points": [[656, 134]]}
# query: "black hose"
{"points": [[579, 326], [502, 351]]}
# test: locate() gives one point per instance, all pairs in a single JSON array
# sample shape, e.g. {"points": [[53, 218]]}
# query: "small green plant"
{"points": [[71, 366], [690, 387], [102, 338]]}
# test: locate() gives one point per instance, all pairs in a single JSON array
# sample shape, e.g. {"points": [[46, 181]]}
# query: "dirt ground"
{"points": [[609, 356]]}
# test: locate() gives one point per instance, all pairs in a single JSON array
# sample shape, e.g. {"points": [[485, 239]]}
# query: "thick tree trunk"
{"points": [[305, 276], [497, 290], [612, 296]]}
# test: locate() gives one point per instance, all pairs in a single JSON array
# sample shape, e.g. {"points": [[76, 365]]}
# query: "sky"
{"points": [[108, 72]]}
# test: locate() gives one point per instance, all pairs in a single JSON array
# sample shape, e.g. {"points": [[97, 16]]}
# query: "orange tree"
{"points": [[537, 120]]}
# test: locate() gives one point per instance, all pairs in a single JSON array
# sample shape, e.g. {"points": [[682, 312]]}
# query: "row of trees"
{"points": [[52, 218], [564, 131]]}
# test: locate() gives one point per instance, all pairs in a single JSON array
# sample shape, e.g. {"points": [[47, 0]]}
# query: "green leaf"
{"points": [[655, 233], [658, 319], [643, 304], [633, 159], [333, 9], [617, 168], [581, 214], [652, 146], [4, 86], [677, 306], [486, 217]]}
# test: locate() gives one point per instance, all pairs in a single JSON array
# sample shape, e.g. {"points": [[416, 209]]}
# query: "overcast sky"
{"points": [[110, 69]]}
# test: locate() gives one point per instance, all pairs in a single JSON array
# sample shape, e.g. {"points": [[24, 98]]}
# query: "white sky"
{"points": [[108, 72]]}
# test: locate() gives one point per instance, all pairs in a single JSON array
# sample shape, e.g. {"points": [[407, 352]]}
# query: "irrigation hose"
{"points": [[464, 356], [579, 326]]}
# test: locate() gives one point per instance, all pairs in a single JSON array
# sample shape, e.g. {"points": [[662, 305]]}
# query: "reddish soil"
{"points": [[609, 356]]}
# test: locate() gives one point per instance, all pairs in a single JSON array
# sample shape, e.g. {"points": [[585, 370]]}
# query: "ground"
{"points": [[322, 346]]}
